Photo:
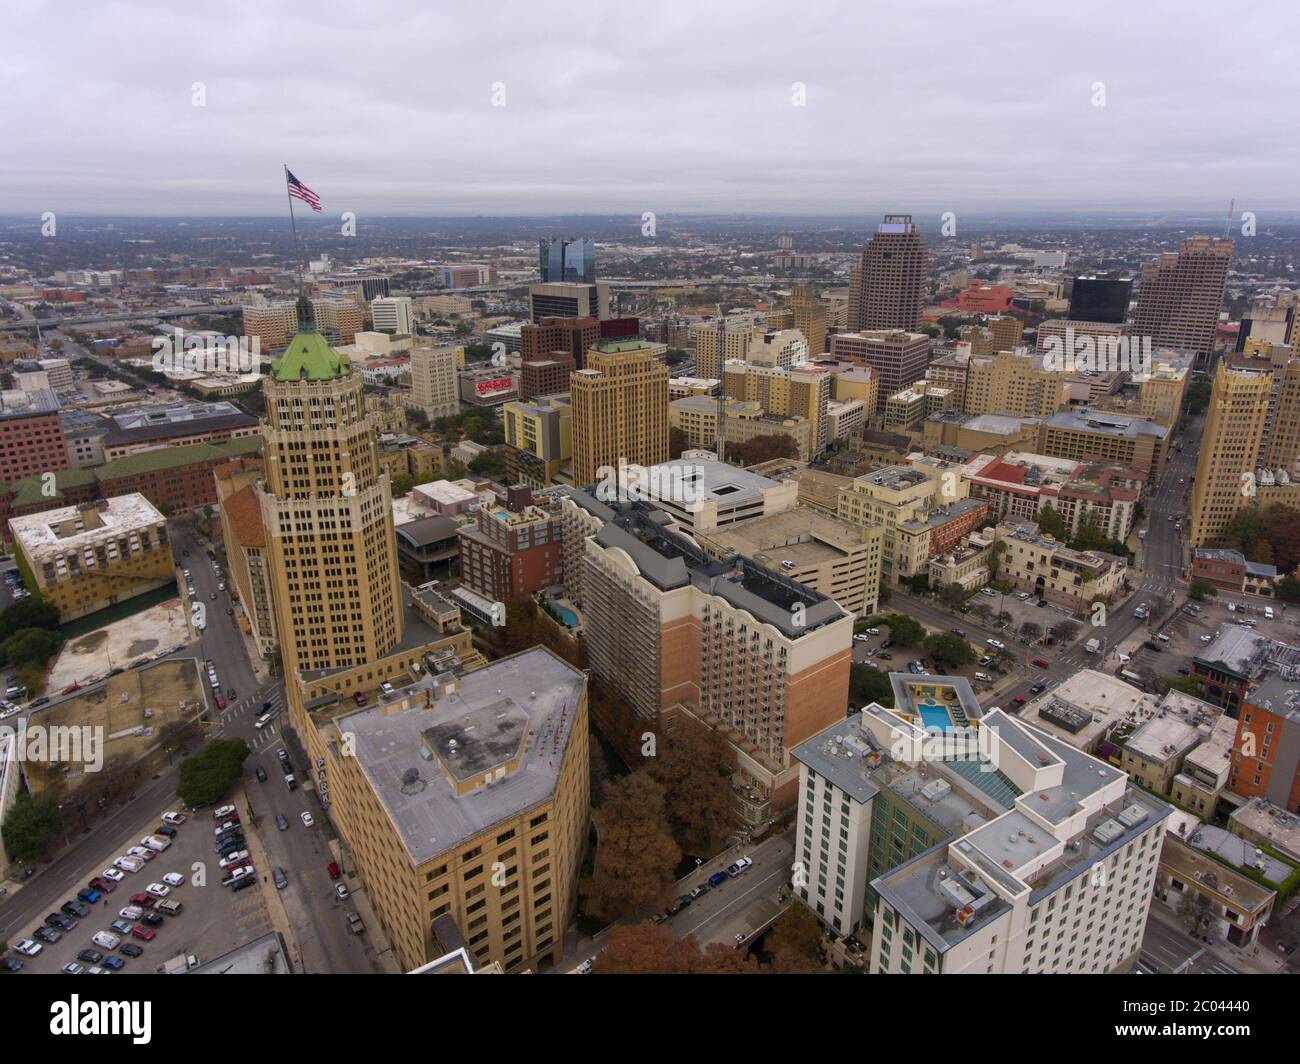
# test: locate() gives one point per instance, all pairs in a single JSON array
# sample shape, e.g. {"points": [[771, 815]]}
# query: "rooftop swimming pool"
{"points": [[935, 715]]}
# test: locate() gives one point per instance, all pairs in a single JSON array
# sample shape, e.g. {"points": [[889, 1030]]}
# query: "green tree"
{"points": [[1200, 590], [904, 630], [31, 826], [953, 596], [31, 647], [1050, 523], [950, 649], [402, 485], [867, 685], [1196, 399], [34, 612], [208, 776], [919, 583]]}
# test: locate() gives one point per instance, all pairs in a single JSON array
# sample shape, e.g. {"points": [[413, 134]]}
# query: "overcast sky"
{"points": [[679, 105]]}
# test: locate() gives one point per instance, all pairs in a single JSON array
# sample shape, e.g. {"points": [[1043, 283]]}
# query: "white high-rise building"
{"points": [[393, 314], [433, 380], [971, 841]]}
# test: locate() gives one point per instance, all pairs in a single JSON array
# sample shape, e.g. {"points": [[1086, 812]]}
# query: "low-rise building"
{"points": [[86, 558], [1043, 567], [1220, 902], [1154, 754]]}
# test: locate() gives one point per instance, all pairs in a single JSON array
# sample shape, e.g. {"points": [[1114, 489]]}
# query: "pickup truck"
{"points": [[1092, 646]]}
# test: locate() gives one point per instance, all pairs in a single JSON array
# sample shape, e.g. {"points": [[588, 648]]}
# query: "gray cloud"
{"points": [[672, 106]]}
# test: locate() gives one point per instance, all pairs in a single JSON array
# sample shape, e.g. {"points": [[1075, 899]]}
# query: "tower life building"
{"points": [[327, 512], [887, 287]]}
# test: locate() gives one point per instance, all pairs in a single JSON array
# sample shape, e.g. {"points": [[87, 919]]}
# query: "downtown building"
{"points": [[1180, 297], [888, 286], [434, 387], [687, 640], [620, 410], [31, 435], [1002, 850], [898, 356], [1229, 476], [431, 771], [513, 551]]}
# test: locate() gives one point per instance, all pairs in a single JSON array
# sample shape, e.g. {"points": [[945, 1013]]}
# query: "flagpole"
{"points": [[294, 224]]}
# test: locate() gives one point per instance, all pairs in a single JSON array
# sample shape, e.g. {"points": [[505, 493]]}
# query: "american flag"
{"points": [[297, 190]]}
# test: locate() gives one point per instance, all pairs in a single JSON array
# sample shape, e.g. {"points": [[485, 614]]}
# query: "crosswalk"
{"points": [[262, 737]]}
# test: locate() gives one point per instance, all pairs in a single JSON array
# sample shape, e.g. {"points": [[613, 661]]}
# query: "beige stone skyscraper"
{"points": [[809, 318], [433, 380], [887, 288], [620, 409], [1225, 467], [327, 513], [1180, 296]]}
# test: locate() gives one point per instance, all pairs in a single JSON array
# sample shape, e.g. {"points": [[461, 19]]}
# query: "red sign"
{"points": [[496, 384]]}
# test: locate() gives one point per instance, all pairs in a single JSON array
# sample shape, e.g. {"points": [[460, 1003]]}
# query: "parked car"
{"points": [[233, 860], [247, 881], [166, 832], [281, 880], [221, 812], [103, 886], [113, 964], [106, 939], [260, 772], [130, 949], [78, 909], [145, 901], [174, 818], [152, 919], [158, 890], [145, 934], [341, 891], [717, 878], [89, 895], [73, 968], [48, 935], [743, 864], [333, 869], [306, 818], [173, 879], [120, 927], [281, 823], [27, 947], [131, 912], [996, 644], [90, 956]]}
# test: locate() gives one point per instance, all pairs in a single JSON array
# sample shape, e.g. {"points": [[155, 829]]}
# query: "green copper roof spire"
{"points": [[308, 357]]}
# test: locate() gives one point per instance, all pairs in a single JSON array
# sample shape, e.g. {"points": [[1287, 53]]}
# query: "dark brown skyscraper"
{"points": [[1180, 295], [888, 286]]}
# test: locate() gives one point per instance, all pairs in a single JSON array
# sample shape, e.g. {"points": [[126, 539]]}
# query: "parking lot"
{"points": [[214, 919], [1193, 627]]}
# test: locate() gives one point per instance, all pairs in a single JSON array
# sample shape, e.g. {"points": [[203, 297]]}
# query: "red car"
{"points": [[1019, 700], [145, 901], [70, 690], [359, 698], [333, 869], [104, 886], [1040, 663], [146, 933], [221, 702]]}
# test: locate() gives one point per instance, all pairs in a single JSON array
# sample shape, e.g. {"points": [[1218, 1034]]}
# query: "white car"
{"points": [[262, 721], [235, 859], [157, 890], [861, 637], [106, 940], [173, 879], [141, 853], [27, 947], [221, 587], [113, 874], [131, 912], [174, 818], [997, 644], [307, 821], [236, 874], [129, 864], [221, 812]]}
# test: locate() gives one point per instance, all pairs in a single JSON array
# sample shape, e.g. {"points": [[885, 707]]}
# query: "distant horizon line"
{"points": [[1093, 212]]}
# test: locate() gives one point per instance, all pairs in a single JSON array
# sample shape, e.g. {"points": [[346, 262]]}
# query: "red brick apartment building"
{"points": [[31, 435], [515, 550]]}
